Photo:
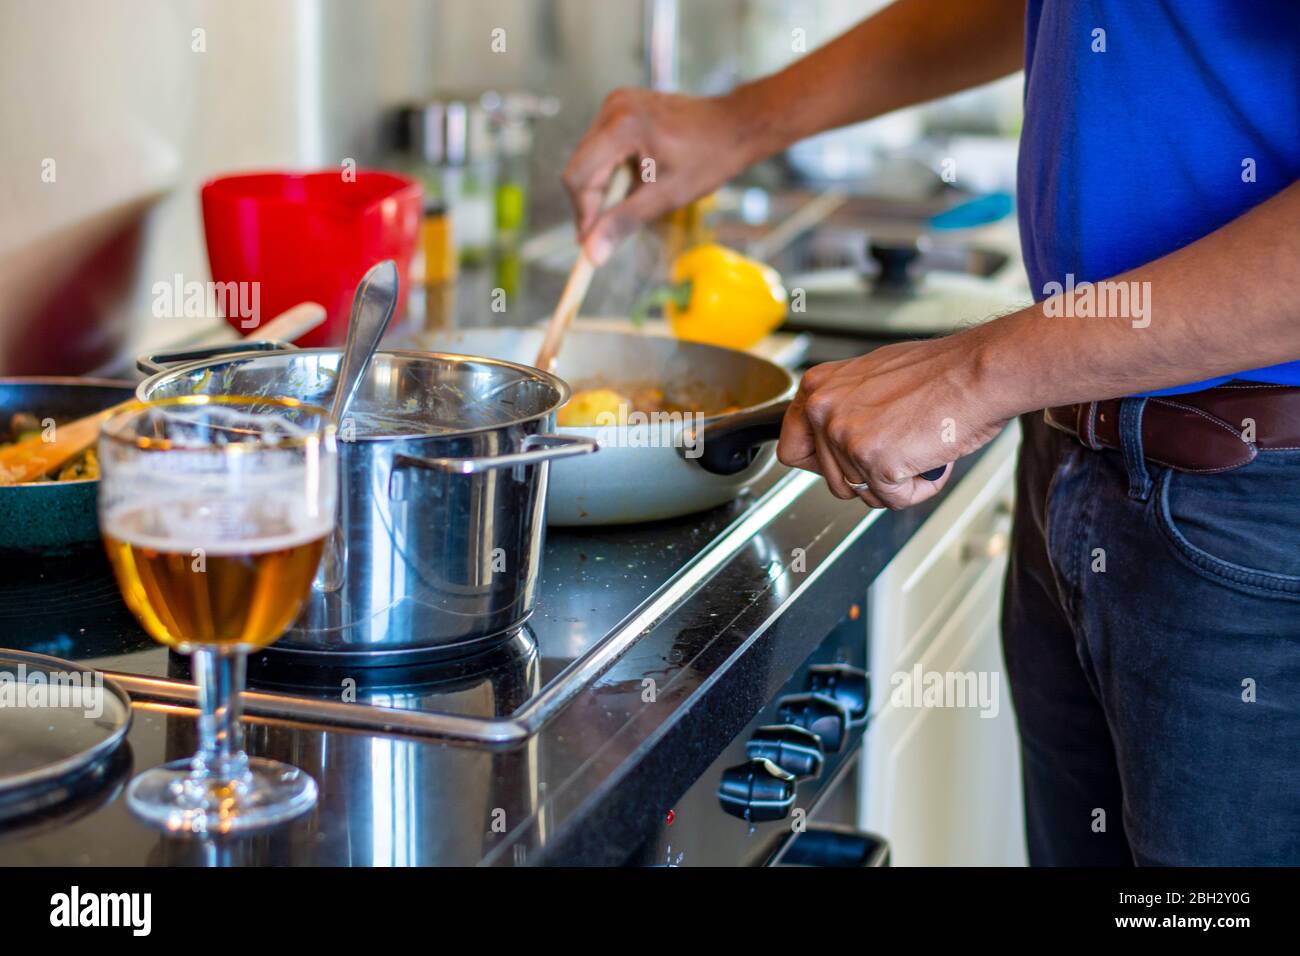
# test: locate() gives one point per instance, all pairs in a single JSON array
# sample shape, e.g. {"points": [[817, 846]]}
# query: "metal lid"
{"points": [[404, 394], [59, 720]]}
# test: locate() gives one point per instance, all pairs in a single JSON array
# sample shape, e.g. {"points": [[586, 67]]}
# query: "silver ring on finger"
{"points": [[858, 486]]}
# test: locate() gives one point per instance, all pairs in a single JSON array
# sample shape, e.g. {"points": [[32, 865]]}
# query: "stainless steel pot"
{"points": [[444, 462]]}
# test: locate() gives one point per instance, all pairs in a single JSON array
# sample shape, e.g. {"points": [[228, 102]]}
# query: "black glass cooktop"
{"points": [[592, 580]]}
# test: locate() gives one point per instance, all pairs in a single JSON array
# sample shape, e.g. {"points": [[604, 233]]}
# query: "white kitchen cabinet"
{"points": [[941, 769]]}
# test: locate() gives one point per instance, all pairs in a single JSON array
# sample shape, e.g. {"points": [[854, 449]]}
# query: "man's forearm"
{"points": [[910, 52], [1226, 303]]}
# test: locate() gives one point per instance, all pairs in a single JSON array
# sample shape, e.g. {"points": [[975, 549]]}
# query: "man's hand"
{"points": [[695, 143], [894, 413], [910, 52], [886, 417]]}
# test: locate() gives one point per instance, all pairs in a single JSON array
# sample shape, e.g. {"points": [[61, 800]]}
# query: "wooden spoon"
{"points": [[579, 281], [36, 457]]}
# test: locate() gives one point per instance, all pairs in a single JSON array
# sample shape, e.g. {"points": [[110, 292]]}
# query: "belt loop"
{"points": [[1130, 440]]}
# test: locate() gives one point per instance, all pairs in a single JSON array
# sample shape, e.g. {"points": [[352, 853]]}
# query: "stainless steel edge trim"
{"points": [[335, 713], [563, 391], [564, 687], [806, 581]]}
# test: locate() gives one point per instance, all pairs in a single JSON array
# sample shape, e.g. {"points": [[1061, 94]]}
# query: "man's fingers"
{"points": [[870, 500], [806, 443], [801, 446], [902, 493], [853, 472], [796, 447], [942, 480], [897, 494], [588, 193], [646, 201], [909, 491], [829, 467], [601, 151]]}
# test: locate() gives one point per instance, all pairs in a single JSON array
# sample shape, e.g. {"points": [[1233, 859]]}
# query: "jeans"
{"points": [[1151, 627]]}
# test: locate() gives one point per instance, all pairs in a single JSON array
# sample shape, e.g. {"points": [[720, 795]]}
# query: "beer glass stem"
{"points": [[219, 675]]}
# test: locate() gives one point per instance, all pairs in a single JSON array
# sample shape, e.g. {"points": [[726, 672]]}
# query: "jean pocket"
{"points": [[1241, 527]]}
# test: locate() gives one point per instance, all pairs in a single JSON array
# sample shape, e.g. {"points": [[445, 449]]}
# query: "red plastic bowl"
{"points": [[309, 237]]}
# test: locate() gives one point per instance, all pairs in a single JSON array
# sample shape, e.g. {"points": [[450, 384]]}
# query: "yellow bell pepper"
{"points": [[720, 297]]}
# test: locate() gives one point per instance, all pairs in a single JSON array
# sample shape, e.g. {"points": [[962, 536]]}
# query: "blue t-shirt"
{"points": [[1149, 124]]}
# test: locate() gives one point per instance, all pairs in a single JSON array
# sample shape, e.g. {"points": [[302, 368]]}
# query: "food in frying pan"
{"points": [[25, 425], [592, 406], [603, 405]]}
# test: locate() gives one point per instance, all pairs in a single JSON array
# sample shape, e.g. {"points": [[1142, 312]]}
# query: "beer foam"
{"points": [[225, 527]]}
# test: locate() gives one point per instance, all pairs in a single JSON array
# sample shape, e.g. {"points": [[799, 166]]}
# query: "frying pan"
{"points": [[53, 516], [644, 473]]}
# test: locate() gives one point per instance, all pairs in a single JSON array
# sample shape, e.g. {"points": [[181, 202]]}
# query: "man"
{"points": [[1152, 613]]}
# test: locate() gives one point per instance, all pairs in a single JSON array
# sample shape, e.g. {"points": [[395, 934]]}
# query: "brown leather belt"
{"points": [[1201, 432]]}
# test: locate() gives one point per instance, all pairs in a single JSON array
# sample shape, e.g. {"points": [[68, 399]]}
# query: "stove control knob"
{"points": [[790, 747], [847, 685], [824, 716], [757, 790]]}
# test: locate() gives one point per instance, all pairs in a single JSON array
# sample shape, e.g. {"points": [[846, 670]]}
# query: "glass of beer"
{"points": [[214, 511]]}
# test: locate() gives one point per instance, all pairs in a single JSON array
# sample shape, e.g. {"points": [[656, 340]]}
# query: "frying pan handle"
{"points": [[156, 362], [728, 446]]}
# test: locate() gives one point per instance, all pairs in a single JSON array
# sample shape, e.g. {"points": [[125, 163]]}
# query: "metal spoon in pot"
{"points": [[372, 310]]}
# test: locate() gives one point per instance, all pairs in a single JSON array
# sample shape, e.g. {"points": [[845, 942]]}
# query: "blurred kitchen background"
{"points": [[115, 112]]}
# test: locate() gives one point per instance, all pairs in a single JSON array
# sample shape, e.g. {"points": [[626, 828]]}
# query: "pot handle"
{"points": [[728, 446], [536, 449], [156, 362]]}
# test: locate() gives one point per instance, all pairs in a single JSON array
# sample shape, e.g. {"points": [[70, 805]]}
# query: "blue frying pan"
{"points": [[52, 517]]}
